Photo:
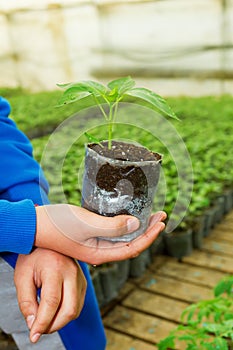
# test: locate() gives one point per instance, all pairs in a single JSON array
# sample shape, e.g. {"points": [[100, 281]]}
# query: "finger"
{"points": [[94, 225], [51, 294], [122, 251], [143, 242], [70, 220], [72, 301], [26, 295], [156, 217], [102, 226]]}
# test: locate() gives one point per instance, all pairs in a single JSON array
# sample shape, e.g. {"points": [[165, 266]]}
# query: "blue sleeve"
{"points": [[17, 165], [17, 226], [21, 185]]}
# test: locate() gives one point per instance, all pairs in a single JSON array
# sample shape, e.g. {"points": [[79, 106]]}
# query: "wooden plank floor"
{"points": [[149, 307]]}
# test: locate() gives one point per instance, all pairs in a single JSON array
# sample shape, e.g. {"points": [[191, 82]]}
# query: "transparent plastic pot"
{"points": [[113, 187]]}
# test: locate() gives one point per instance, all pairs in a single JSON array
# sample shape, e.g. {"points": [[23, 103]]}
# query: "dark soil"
{"points": [[125, 151]]}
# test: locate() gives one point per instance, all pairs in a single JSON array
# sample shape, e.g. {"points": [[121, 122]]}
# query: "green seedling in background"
{"points": [[208, 324]]}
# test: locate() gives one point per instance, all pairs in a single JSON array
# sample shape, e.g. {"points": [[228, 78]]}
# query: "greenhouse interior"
{"points": [[83, 83]]}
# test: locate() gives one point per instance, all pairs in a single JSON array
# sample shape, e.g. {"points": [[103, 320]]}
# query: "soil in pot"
{"points": [[121, 180]]}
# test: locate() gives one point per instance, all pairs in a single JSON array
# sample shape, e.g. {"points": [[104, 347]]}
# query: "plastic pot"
{"points": [[123, 268], [221, 205], [95, 276], [158, 246], [108, 281], [139, 264], [198, 231], [120, 186], [209, 221], [228, 195], [179, 244]]}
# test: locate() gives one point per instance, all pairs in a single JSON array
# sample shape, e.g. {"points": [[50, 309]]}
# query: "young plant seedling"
{"points": [[119, 177], [116, 91]]}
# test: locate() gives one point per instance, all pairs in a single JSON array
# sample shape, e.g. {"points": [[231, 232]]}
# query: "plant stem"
{"points": [[115, 111], [101, 108], [111, 120], [110, 124]]}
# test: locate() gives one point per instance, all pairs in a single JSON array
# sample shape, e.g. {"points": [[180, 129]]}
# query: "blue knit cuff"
{"points": [[18, 226]]}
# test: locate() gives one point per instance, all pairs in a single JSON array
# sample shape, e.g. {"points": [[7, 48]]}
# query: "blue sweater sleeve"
{"points": [[17, 226], [21, 185], [17, 164]]}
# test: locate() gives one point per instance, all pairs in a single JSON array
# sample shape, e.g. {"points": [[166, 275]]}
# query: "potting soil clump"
{"points": [[125, 151]]}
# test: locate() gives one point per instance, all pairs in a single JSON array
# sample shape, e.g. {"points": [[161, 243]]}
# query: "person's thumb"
{"points": [[80, 224], [101, 226], [107, 227]]}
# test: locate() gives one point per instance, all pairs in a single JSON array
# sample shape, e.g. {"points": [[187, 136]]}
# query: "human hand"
{"points": [[63, 289], [74, 231]]}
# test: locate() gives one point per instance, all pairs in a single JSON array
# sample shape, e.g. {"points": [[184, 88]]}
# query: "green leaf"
{"points": [[72, 95], [77, 91], [190, 315], [185, 328], [201, 314], [86, 85], [220, 288], [188, 312], [192, 347], [224, 286], [220, 344], [93, 139], [228, 316], [228, 323], [187, 337], [166, 343], [121, 85], [213, 328], [217, 316], [208, 346], [153, 99]]}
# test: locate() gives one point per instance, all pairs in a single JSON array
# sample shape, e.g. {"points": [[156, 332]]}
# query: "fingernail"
{"points": [[159, 216], [132, 224], [30, 319], [35, 337]]}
